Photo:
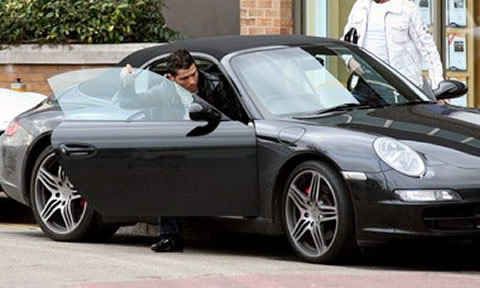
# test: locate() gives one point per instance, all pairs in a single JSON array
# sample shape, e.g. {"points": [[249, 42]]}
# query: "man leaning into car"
{"points": [[182, 70]]}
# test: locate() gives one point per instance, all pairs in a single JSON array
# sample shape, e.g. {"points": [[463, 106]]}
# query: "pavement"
{"points": [[230, 261], [221, 260]]}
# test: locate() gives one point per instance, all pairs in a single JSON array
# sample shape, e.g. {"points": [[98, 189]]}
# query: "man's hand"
{"points": [[354, 66], [127, 73]]}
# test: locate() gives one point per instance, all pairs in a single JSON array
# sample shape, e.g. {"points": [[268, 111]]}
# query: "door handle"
{"points": [[77, 150]]}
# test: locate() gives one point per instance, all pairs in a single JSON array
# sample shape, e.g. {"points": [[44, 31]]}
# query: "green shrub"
{"points": [[83, 21]]}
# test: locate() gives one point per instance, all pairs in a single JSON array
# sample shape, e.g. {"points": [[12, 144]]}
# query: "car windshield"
{"points": [[102, 94], [299, 81]]}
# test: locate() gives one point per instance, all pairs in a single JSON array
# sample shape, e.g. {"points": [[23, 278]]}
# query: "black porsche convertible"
{"points": [[332, 159]]}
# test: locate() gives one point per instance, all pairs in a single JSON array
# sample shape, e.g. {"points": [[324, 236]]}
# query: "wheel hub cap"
{"points": [[311, 213], [59, 205]]}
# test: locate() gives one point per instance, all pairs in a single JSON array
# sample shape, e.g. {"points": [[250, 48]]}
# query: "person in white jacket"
{"points": [[394, 31]]}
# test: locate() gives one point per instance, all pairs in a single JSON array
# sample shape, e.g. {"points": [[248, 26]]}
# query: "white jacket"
{"points": [[408, 39]]}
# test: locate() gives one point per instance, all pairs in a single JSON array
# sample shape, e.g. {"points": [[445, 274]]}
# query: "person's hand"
{"points": [[354, 66], [127, 73], [443, 101]]}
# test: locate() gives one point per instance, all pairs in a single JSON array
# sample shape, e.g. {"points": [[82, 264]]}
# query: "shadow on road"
{"points": [[14, 212], [443, 257], [450, 256], [222, 243]]}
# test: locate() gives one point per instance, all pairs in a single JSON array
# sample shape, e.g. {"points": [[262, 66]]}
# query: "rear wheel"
{"points": [[318, 214], [58, 207]]}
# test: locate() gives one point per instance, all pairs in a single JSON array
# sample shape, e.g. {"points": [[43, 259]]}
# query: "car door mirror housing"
{"points": [[201, 112], [449, 89]]}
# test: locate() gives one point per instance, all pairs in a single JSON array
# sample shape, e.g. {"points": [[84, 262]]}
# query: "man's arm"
{"points": [[162, 93], [350, 34], [349, 25], [426, 45], [159, 94]]}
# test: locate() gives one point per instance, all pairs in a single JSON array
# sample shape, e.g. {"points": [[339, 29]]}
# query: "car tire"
{"points": [[318, 214], [58, 208]]}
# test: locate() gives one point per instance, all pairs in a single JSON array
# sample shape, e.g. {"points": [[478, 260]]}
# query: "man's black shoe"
{"points": [[172, 243]]}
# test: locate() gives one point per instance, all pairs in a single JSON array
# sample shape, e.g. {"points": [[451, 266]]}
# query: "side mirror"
{"points": [[199, 112], [448, 89]]}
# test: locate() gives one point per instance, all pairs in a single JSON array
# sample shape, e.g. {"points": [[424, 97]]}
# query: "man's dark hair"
{"points": [[180, 59]]}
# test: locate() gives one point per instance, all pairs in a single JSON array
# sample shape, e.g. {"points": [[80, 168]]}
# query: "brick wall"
{"points": [[35, 64], [35, 76], [260, 17]]}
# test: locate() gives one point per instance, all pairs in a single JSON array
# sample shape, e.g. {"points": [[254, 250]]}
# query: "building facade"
{"points": [[452, 23]]}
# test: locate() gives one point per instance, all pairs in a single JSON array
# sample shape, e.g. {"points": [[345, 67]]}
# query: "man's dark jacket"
{"points": [[219, 94]]}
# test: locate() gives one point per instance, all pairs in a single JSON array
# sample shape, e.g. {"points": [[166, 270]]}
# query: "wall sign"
{"points": [[457, 13], [457, 52], [426, 9]]}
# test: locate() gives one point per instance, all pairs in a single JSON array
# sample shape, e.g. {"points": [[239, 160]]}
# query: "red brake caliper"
{"points": [[83, 202], [307, 191]]}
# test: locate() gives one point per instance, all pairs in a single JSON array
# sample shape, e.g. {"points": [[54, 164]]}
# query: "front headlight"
{"points": [[399, 156]]}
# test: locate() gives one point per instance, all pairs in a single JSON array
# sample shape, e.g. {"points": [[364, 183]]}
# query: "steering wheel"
{"points": [[352, 80], [366, 89]]}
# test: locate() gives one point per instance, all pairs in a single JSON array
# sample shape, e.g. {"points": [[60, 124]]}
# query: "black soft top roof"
{"points": [[218, 47]]}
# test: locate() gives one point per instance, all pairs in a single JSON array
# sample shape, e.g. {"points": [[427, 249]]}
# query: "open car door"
{"points": [[131, 150]]}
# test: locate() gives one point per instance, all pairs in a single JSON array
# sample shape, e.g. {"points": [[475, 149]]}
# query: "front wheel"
{"points": [[318, 214], [62, 213]]}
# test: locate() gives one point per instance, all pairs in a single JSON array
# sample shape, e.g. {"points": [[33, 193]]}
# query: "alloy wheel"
{"points": [[311, 213], [59, 205]]}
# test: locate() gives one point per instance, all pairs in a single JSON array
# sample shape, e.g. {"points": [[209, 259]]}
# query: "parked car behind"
{"points": [[330, 159], [13, 103]]}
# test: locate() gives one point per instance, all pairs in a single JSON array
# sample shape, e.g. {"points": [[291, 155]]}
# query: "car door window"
{"points": [[142, 83], [144, 96]]}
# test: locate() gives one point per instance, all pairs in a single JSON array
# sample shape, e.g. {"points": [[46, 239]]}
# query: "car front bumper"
{"points": [[382, 217]]}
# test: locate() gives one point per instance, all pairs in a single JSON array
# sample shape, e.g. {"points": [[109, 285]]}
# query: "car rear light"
{"points": [[12, 127]]}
